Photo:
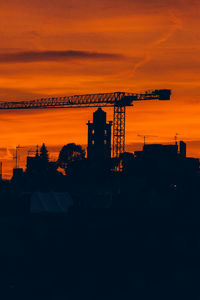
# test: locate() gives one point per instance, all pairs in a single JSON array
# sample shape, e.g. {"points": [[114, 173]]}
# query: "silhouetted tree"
{"points": [[43, 158], [70, 155], [44, 155]]}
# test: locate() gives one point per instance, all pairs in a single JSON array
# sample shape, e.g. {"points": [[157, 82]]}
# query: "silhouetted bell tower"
{"points": [[99, 137]]}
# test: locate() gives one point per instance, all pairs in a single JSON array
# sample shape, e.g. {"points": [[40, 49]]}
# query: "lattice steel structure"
{"points": [[118, 100], [119, 130]]}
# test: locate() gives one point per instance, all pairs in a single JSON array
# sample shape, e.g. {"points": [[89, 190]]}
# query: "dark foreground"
{"points": [[147, 248]]}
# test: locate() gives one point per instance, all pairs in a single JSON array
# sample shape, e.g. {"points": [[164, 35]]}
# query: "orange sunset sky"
{"points": [[65, 47]]}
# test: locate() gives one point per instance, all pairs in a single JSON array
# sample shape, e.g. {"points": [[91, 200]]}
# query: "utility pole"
{"points": [[16, 157], [1, 170]]}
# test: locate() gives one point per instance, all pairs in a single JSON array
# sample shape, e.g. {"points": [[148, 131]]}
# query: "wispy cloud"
{"points": [[65, 55], [174, 25]]}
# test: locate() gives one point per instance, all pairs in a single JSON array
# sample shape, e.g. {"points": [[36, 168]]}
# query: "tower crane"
{"points": [[118, 100]]}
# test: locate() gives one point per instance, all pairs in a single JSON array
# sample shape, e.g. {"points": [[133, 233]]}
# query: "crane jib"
{"points": [[106, 99], [118, 100]]}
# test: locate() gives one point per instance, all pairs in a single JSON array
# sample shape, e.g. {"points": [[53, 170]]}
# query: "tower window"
{"points": [[105, 142], [92, 131], [92, 142]]}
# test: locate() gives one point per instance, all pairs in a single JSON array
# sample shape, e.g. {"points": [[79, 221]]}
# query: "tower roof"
{"points": [[99, 116]]}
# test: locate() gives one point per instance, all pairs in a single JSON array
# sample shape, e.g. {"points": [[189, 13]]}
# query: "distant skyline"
{"points": [[7, 154], [74, 47]]}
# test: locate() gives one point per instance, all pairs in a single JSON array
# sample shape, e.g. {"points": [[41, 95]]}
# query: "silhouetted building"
{"points": [[33, 164], [166, 159], [17, 172], [39, 162], [17, 175], [182, 149], [157, 150], [99, 137]]}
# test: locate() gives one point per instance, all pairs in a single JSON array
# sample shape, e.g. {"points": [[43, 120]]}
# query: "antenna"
{"points": [[146, 136], [176, 135]]}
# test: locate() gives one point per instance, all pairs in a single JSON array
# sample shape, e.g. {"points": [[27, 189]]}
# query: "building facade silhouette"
{"points": [[99, 137]]}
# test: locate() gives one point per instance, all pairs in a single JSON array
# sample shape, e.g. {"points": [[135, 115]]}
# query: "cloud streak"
{"points": [[46, 56], [175, 25]]}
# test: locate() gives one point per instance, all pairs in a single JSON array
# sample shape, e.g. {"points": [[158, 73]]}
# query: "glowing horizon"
{"points": [[70, 47]]}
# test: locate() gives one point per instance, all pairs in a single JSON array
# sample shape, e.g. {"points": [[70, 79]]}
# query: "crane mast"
{"points": [[118, 100]]}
